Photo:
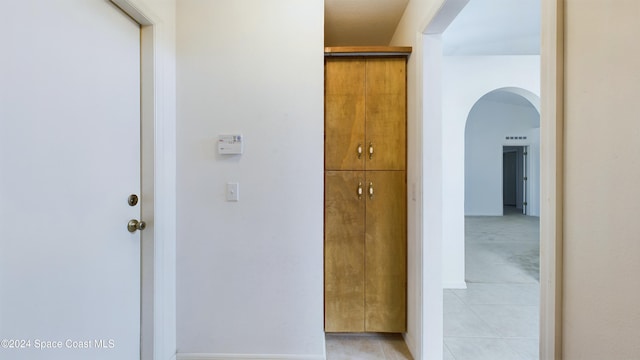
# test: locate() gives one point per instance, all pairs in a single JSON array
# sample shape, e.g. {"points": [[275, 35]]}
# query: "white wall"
{"points": [[465, 80], [488, 124], [250, 274], [432, 305], [424, 333]]}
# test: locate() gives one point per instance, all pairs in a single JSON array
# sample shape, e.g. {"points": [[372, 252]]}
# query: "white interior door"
{"points": [[69, 158]]}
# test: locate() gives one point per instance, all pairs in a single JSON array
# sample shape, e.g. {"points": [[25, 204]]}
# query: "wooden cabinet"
{"points": [[365, 194], [365, 251]]}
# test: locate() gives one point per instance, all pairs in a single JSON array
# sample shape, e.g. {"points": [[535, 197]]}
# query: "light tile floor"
{"points": [[496, 317], [366, 347]]}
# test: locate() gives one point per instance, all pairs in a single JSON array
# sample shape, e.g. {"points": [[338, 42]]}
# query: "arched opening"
{"points": [[499, 309], [502, 153]]}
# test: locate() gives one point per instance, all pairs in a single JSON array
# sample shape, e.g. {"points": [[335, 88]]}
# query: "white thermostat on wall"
{"points": [[230, 144]]}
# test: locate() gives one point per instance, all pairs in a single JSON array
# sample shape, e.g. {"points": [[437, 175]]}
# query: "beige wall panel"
{"points": [[602, 167]]}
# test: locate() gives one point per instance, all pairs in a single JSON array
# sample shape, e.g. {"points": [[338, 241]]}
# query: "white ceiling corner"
{"points": [[483, 27], [495, 27], [361, 22]]}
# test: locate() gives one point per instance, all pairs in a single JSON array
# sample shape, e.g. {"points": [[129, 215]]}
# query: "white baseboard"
{"points": [[249, 357], [454, 285]]}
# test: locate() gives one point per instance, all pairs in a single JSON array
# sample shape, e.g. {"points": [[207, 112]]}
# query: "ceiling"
{"points": [[483, 27], [361, 22], [495, 27]]}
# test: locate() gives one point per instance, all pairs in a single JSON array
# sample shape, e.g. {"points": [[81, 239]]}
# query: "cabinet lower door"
{"points": [[344, 251], [365, 251], [385, 252]]}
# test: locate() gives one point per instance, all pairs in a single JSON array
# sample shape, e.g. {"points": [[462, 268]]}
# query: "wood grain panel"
{"points": [[344, 252], [386, 252], [386, 126], [344, 113]]}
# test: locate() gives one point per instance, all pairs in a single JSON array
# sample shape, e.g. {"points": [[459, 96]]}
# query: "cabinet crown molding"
{"points": [[367, 51]]}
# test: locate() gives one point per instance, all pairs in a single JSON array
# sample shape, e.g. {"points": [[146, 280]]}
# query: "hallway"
{"points": [[497, 316]]}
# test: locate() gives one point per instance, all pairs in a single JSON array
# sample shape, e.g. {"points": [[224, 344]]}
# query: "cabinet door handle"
{"points": [[371, 190], [359, 151], [370, 150], [360, 190]]}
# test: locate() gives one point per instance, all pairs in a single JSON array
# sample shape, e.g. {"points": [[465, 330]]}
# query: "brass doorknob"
{"points": [[134, 225]]}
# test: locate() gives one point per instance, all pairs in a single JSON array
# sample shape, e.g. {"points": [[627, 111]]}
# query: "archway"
{"points": [[502, 248], [505, 119]]}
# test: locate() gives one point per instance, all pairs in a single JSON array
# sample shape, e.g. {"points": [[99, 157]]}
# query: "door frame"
{"points": [[429, 309], [158, 195], [551, 177]]}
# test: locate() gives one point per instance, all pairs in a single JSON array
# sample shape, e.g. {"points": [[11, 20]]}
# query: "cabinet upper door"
{"points": [[344, 114], [386, 112]]}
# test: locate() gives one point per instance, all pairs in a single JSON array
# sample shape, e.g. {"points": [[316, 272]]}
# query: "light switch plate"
{"points": [[233, 192]]}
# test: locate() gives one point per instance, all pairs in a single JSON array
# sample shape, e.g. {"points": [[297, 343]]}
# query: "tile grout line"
{"points": [[449, 350]]}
